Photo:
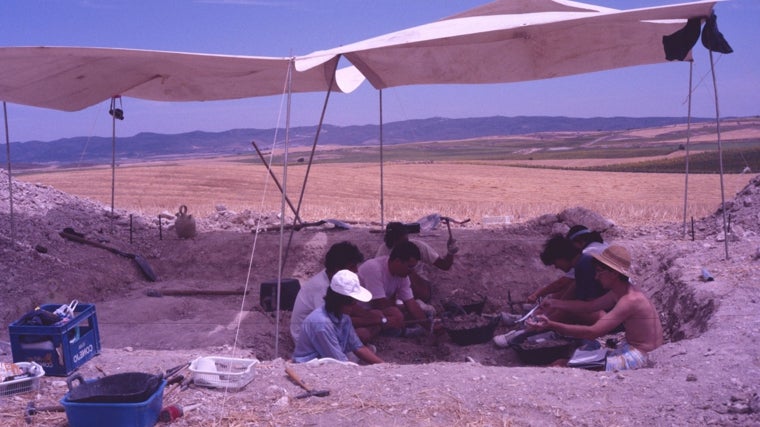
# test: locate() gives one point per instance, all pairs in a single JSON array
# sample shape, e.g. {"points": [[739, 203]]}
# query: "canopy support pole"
{"points": [[113, 157], [282, 211], [316, 138], [720, 154], [297, 211], [276, 182], [10, 175], [688, 146], [382, 162]]}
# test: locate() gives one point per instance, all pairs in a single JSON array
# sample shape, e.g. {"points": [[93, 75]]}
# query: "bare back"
{"points": [[643, 329]]}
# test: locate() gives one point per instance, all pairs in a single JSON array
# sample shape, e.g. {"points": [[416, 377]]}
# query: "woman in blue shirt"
{"points": [[328, 332]]}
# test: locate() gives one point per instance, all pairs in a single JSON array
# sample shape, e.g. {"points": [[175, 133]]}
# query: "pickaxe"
{"points": [[451, 243], [309, 391]]}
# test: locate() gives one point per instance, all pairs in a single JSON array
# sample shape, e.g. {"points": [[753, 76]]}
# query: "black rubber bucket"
{"points": [[462, 334], [530, 350], [127, 387]]}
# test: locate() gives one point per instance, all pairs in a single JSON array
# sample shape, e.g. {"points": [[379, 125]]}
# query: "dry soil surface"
{"points": [[707, 373]]}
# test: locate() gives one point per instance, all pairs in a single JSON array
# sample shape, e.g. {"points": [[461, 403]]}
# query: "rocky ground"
{"points": [[706, 374]]}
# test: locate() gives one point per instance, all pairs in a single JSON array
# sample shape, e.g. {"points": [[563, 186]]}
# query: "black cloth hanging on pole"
{"points": [[678, 45], [712, 39]]}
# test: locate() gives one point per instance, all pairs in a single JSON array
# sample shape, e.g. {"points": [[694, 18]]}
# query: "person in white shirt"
{"points": [[422, 289], [341, 256], [387, 277]]}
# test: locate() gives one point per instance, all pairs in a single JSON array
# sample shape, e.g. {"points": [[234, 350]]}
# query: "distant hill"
{"points": [[82, 151]]}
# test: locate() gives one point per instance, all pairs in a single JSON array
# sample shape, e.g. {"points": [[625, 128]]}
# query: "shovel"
{"points": [[72, 235], [338, 225]]}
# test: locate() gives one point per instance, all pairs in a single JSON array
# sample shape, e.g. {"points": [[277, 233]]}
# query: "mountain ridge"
{"points": [[149, 145]]}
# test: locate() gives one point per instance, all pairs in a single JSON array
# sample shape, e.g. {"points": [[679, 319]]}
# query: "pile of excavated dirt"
{"points": [[706, 373]]}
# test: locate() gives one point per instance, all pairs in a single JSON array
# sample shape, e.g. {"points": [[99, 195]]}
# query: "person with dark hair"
{"points": [[586, 240], [327, 331], [626, 304], [578, 283], [575, 260], [587, 287], [422, 288], [562, 254], [341, 256], [387, 277]]}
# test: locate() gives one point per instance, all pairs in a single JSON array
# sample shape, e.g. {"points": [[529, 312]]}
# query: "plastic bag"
{"points": [[66, 311]]}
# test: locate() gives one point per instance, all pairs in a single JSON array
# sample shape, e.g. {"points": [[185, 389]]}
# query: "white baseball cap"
{"points": [[346, 282]]}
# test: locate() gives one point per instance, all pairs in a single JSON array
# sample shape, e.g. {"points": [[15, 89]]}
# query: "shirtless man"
{"points": [[629, 306]]}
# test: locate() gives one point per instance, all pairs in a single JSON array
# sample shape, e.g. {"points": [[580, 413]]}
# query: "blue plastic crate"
{"points": [[59, 349], [140, 414]]}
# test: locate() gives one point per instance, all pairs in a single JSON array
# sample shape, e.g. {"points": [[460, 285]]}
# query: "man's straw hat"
{"points": [[617, 258]]}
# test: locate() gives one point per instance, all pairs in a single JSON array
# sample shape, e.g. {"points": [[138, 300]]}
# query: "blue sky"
{"points": [[297, 27]]}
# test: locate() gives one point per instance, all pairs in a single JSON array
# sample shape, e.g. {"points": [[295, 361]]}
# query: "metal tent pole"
{"points": [[10, 175], [382, 172], [316, 138], [282, 212], [688, 145], [297, 210], [113, 157], [720, 153]]}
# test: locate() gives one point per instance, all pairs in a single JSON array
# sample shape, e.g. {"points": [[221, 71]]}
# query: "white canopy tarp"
{"points": [[515, 40], [73, 78], [502, 41]]}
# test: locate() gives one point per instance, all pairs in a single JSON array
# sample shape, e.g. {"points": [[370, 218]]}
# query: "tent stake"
{"points": [[692, 229]]}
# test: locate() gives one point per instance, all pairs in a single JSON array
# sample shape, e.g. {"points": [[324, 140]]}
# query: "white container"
{"points": [[23, 385], [222, 372], [496, 220]]}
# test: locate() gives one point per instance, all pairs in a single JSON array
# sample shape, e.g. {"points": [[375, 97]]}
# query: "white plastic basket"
{"points": [[23, 385], [222, 372]]}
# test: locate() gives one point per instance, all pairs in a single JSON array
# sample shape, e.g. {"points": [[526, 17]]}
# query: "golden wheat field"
{"points": [[351, 192]]}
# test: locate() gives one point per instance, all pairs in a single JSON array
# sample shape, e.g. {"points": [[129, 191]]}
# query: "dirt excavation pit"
{"points": [[494, 272], [478, 287], [701, 376]]}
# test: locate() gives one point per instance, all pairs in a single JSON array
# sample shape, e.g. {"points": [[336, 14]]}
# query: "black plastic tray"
{"points": [[543, 355], [127, 387]]}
